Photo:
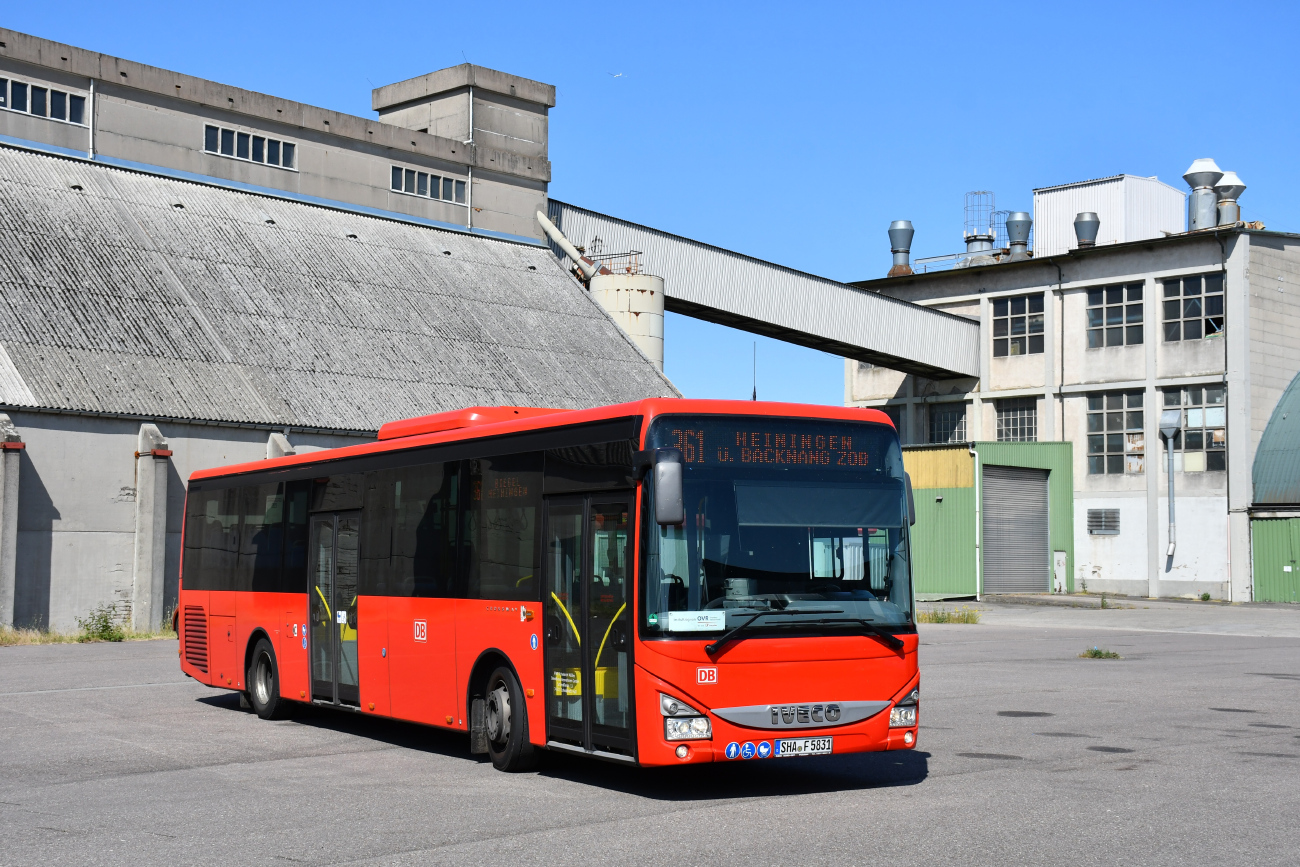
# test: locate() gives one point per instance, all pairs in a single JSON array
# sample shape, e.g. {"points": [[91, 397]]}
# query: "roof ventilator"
{"points": [[1229, 189], [1018, 225], [900, 244], [1086, 226], [1203, 203], [266, 218]]}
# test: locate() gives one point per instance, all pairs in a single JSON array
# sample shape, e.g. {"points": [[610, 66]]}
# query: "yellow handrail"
{"points": [[325, 602], [572, 625], [607, 631]]}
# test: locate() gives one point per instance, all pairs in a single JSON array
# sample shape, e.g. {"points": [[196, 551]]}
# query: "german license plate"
{"points": [[803, 747]]}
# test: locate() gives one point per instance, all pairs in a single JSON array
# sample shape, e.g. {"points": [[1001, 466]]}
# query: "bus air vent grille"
{"points": [[196, 638]]}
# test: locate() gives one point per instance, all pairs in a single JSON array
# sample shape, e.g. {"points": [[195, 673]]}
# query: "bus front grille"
{"points": [[196, 638]]}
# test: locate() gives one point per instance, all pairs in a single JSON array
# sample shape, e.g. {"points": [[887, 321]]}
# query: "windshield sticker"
{"points": [[696, 621]]}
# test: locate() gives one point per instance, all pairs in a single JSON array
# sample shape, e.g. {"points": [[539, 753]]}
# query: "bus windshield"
{"points": [[781, 514]]}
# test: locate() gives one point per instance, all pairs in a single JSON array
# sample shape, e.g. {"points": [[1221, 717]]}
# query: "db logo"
{"points": [[706, 675], [421, 630]]}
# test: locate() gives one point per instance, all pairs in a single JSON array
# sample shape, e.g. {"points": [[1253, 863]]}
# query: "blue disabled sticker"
{"points": [[733, 750], [764, 750], [747, 751], [533, 641], [304, 642]]}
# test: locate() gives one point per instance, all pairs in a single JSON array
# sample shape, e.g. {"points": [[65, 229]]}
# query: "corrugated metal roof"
{"points": [[112, 299], [1276, 472], [719, 285]]}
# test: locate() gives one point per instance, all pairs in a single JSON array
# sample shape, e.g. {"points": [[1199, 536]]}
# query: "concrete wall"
{"points": [[77, 506], [339, 157]]}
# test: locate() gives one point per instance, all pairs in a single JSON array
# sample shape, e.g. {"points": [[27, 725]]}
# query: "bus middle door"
{"points": [[335, 568]]}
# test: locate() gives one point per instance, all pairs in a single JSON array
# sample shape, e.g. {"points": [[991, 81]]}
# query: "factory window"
{"points": [[248, 147], [1018, 419], [1115, 439], [1103, 522], [1115, 315], [1202, 444], [42, 101], [1193, 307], [948, 423], [412, 183], [1018, 325]]}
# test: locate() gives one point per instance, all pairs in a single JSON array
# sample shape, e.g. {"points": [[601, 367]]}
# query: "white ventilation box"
{"points": [[1131, 208]]}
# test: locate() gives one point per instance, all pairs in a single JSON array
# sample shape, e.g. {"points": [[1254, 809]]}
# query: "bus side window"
{"points": [[409, 531], [501, 528], [261, 546], [212, 539], [293, 577]]}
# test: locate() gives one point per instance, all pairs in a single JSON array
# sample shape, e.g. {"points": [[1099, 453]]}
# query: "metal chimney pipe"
{"points": [[1018, 225], [1203, 203], [1229, 190], [588, 268], [900, 244], [1086, 226]]}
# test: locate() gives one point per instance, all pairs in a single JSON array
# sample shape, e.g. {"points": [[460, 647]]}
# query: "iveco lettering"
{"points": [[657, 583]]}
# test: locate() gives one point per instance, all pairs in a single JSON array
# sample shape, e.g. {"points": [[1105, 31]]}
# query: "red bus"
{"points": [[657, 583]]}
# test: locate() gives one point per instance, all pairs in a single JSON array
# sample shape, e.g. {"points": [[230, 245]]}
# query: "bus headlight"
{"points": [[683, 722], [903, 714], [692, 728], [902, 717]]}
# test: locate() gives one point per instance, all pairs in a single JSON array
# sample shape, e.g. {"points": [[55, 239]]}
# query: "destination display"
{"points": [[742, 441]]}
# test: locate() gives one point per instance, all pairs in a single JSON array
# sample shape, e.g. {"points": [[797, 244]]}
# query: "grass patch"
{"points": [[944, 615], [1098, 653], [99, 625]]}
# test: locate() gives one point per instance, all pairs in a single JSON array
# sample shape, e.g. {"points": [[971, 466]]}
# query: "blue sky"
{"points": [[791, 132]]}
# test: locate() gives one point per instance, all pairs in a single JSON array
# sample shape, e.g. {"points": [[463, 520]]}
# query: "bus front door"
{"points": [[334, 570], [588, 607]]}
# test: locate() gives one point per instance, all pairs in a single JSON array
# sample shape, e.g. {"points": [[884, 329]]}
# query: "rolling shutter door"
{"points": [[1017, 552]]}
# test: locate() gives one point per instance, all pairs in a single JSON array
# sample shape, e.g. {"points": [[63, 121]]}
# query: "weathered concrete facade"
{"points": [[1253, 359], [140, 114], [81, 531]]}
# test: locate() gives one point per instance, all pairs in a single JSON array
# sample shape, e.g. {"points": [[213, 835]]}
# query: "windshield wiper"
{"points": [[889, 638], [712, 648]]}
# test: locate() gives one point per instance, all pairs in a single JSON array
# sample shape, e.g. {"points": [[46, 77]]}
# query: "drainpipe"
{"points": [[90, 149], [1171, 421], [979, 558], [473, 154]]}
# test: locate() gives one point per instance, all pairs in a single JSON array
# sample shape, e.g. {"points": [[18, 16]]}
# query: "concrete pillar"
{"points": [[11, 444], [278, 446], [1241, 437], [151, 471]]}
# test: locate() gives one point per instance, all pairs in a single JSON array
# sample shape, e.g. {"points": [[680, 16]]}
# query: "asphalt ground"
{"points": [[1187, 750]]}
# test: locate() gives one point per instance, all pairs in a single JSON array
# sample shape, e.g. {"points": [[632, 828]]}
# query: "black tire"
{"points": [[264, 683], [506, 720]]}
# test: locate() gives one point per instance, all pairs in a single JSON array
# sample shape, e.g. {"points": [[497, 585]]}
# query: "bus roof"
{"points": [[481, 422]]}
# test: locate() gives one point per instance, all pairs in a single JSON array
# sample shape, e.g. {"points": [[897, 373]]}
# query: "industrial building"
{"points": [[1129, 317]]}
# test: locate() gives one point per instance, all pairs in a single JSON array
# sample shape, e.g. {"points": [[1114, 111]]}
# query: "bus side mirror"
{"points": [[669, 506], [911, 502]]}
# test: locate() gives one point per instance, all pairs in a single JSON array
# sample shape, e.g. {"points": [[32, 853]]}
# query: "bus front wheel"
{"points": [[506, 721], [264, 683]]}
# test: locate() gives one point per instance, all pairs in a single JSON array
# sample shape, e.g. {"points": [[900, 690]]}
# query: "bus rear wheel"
{"points": [[506, 722], [264, 683]]}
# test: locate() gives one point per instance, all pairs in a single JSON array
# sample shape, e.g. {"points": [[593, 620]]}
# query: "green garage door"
{"points": [[1275, 548]]}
